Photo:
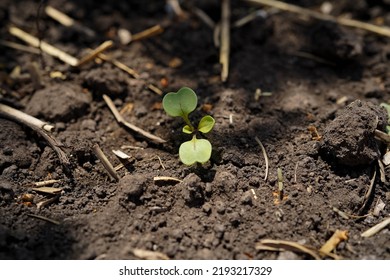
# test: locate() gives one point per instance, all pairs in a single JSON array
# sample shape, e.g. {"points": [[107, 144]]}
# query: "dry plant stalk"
{"points": [[265, 158], [166, 178], [280, 245], [147, 33], [120, 65], [122, 121], [385, 31], [204, 17], [377, 228], [225, 40], [38, 126], [19, 47], [45, 47], [368, 192], [44, 219], [106, 163], [283, 245], [67, 21], [25, 118], [94, 53]]}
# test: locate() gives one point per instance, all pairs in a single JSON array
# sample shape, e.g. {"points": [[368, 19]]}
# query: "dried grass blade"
{"points": [[47, 48], [290, 246], [377, 228], [265, 158]]}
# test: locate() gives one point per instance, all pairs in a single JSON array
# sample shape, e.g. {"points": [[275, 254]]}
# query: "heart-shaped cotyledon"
{"points": [[195, 150]]}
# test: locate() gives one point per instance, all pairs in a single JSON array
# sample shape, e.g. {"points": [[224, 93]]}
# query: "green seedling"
{"points": [[387, 107], [181, 104]]}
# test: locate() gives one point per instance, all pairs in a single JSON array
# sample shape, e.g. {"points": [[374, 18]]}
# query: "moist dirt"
{"points": [[318, 127]]}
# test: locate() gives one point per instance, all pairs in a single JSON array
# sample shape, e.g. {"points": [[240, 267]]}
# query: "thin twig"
{"points": [[47, 48], [106, 163], [147, 33], [122, 121], [204, 17], [166, 178], [67, 21], [25, 118], [217, 35], [248, 18], [385, 31], [368, 192], [155, 89], [19, 47], [382, 171], [120, 65], [225, 40], [161, 163], [44, 219], [94, 53], [59, 16], [377, 228], [280, 183], [38, 126], [265, 158], [129, 71]]}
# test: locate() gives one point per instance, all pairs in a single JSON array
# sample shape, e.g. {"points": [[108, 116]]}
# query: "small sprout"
{"points": [[181, 104], [387, 107]]}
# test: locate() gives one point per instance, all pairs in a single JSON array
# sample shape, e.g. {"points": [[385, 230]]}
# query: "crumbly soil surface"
{"points": [[317, 127]]}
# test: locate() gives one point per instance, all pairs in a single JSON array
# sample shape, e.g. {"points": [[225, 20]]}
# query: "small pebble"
{"points": [[206, 208], [246, 198], [221, 207]]}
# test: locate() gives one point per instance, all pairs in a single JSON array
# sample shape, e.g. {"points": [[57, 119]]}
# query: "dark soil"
{"points": [[222, 209]]}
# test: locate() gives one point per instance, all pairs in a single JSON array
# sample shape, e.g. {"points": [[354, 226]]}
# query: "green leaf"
{"points": [[181, 103], [188, 129], [195, 150], [206, 124]]}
